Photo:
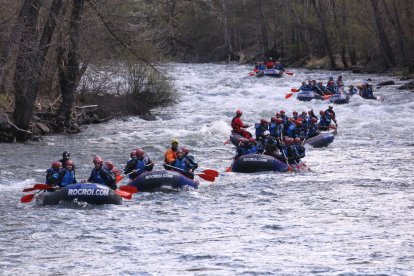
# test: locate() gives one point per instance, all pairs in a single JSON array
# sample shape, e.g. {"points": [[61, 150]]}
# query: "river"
{"points": [[352, 215]]}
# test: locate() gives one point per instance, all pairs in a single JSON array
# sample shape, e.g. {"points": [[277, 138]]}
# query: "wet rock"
{"points": [[389, 82], [406, 78], [148, 117], [407, 86], [43, 128], [357, 71]]}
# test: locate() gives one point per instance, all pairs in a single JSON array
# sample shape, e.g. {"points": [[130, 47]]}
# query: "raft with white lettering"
{"points": [[321, 140], [86, 192], [251, 163], [159, 180]]}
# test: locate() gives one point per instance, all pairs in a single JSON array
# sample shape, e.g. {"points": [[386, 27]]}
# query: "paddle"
{"points": [[289, 73], [252, 74], [129, 189], [293, 90], [228, 169], [28, 198], [119, 177], [123, 194], [211, 172], [227, 141], [206, 177], [38, 187]]}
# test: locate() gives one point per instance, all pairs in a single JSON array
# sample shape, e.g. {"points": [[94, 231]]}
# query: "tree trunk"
{"points": [[384, 43], [396, 23], [226, 30], [351, 49], [263, 29], [340, 35], [69, 74], [325, 36]]}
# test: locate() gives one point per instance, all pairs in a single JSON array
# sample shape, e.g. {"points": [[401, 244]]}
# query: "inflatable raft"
{"points": [[270, 73], [235, 138], [251, 163], [340, 98], [305, 96], [91, 193], [159, 180], [321, 140]]}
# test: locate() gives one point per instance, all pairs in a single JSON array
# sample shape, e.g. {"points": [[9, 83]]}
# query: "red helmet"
{"points": [[322, 112], [179, 152], [252, 140], [279, 121], [298, 122], [109, 165], [314, 120], [291, 120], [238, 112], [282, 112], [273, 119], [140, 152], [69, 162], [297, 140], [97, 160], [133, 153], [264, 122], [295, 113], [185, 150], [57, 165], [278, 115]]}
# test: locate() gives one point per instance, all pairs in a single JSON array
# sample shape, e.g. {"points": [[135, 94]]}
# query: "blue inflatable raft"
{"points": [[251, 163], [159, 180], [321, 140], [86, 192]]}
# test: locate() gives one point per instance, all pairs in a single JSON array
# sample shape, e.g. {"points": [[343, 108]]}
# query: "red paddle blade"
{"points": [[228, 169], [327, 97], [207, 177], [289, 73], [123, 194], [252, 74], [118, 178], [27, 198], [294, 90], [129, 189], [211, 172], [226, 142], [288, 95], [38, 187]]}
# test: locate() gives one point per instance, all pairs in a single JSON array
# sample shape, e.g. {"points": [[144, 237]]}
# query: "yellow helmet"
{"points": [[174, 140]]}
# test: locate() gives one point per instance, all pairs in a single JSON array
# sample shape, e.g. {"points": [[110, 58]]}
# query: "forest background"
{"points": [[59, 59]]}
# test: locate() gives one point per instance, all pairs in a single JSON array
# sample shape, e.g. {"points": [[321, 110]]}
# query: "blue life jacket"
{"points": [[260, 129], [313, 131], [51, 176], [290, 131], [190, 159], [182, 164], [67, 178], [139, 167], [96, 176], [325, 121]]}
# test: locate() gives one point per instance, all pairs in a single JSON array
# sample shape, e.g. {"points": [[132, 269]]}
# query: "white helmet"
{"points": [[266, 132]]}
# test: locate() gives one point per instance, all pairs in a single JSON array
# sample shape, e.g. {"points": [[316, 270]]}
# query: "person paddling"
{"points": [[238, 125], [102, 174], [66, 175], [171, 154]]}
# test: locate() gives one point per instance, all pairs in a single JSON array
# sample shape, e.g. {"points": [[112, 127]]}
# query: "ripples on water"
{"points": [[352, 215]]}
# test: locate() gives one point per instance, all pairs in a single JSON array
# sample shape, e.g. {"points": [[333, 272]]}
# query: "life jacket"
{"points": [[290, 131], [139, 166], [51, 176], [182, 164], [191, 160], [170, 156], [66, 177], [325, 121]]}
